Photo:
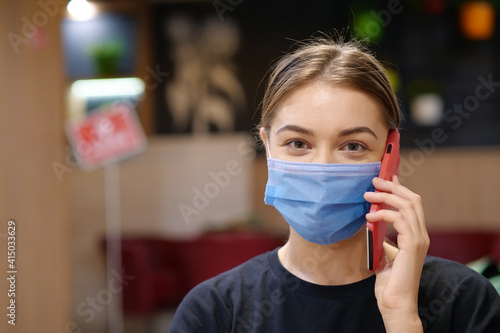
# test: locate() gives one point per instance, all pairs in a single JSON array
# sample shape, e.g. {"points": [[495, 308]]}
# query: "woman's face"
{"points": [[321, 123]]}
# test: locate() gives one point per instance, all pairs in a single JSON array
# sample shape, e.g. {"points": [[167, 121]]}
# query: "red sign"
{"points": [[105, 136]]}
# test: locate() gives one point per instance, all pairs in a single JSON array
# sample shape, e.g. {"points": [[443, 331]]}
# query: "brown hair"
{"points": [[347, 64]]}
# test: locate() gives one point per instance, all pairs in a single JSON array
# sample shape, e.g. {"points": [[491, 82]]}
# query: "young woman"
{"points": [[327, 112]]}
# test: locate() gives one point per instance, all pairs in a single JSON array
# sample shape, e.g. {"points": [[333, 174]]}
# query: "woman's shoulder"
{"points": [[247, 273], [451, 292], [436, 268], [211, 303], [439, 274]]}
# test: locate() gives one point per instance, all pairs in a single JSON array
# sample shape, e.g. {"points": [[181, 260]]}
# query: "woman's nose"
{"points": [[324, 156]]}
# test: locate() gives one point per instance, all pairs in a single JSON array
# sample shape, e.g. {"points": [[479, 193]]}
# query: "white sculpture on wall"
{"points": [[204, 90]]}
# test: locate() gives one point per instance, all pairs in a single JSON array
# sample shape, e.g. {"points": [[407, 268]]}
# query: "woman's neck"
{"points": [[340, 263]]}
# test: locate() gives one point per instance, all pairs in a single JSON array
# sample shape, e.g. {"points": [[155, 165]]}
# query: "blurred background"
{"points": [[129, 161]]}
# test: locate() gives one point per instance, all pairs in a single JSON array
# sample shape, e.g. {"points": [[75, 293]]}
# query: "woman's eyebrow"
{"points": [[295, 128], [354, 130]]}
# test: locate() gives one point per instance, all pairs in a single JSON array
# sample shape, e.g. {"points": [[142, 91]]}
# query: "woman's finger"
{"points": [[396, 188], [417, 203], [395, 219], [405, 219]]}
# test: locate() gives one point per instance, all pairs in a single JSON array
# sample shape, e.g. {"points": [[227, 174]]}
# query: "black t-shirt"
{"points": [[262, 296]]}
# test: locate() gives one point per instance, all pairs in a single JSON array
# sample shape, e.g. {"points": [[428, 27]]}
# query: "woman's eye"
{"points": [[354, 146], [297, 144]]}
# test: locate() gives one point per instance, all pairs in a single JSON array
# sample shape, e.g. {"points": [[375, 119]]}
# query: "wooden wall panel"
{"points": [[31, 139], [459, 187]]}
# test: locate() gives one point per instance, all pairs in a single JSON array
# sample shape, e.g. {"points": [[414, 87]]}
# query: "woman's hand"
{"points": [[397, 283]]}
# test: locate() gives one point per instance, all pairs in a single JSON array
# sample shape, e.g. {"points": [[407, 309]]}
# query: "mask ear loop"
{"points": [[268, 150]]}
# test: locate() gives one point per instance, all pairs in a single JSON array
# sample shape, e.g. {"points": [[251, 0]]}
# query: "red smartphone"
{"points": [[375, 231]]}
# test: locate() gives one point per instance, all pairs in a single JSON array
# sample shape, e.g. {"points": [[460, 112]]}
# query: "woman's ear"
{"points": [[264, 138]]}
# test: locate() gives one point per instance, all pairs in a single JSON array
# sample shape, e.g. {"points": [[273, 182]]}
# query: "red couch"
{"points": [[464, 247], [165, 270]]}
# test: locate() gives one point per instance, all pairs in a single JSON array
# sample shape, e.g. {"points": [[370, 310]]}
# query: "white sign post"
{"points": [[103, 138]]}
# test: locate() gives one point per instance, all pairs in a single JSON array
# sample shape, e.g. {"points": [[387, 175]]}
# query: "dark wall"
{"points": [[422, 43]]}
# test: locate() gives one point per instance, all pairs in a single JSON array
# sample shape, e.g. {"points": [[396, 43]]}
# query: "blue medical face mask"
{"points": [[323, 203]]}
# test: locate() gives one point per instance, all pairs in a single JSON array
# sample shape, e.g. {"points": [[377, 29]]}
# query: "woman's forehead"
{"points": [[319, 104]]}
